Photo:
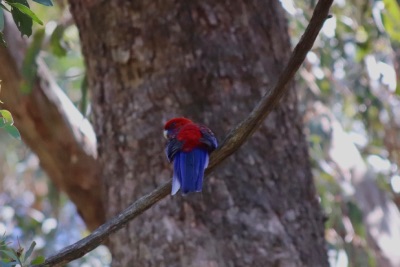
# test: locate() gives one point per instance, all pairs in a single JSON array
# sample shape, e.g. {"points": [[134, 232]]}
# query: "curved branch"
{"points": [[232, 142]]}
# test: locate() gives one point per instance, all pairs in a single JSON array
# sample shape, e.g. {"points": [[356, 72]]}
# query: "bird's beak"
{"points": [[166, 134]]}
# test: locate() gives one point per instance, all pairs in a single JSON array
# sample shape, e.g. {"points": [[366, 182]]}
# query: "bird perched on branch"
{"points": [[189, 146]]}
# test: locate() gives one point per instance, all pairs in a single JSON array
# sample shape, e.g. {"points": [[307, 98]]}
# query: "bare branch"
{"points": [[233, 141]]}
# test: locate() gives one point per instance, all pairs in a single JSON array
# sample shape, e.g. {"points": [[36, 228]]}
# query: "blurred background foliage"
{"points": [[31, 208], [349, 93]]}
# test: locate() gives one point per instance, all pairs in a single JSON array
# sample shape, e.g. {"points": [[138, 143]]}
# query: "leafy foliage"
{"points": [[6, 122], [13, 257], [31, 208], [22, 14], [349, 83], [22, 20], [24, 8], [57, 46], [29, 66], [391, 19]]}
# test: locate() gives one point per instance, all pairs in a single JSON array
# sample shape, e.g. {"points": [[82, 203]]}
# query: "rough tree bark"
{"points": [[209, 60]]}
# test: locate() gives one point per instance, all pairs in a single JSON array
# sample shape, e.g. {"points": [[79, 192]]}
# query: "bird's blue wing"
{"points": [[208, 138], [173, 146]]}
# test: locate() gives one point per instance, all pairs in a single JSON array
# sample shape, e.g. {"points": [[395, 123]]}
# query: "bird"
{"points": [[188, 147]]}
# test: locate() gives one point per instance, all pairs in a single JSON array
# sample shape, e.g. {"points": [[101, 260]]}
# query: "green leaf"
{"points": [[398, 88], [3, 241], [29, 66], [44, 2], [1, 20], [38, 260], [2, 122], [7, 116], [56, 42], [13, 131], [30, 250], [391, 19], [23, 21], [10, 254], [26, 11]]}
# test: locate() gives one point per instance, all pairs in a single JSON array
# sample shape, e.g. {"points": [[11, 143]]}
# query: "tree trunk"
{"points": [[211, 61]]}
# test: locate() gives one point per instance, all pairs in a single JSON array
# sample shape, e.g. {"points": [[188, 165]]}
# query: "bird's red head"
{"points": [[172, 126]]}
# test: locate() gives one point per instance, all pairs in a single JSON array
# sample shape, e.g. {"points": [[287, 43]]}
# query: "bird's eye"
{"points": [[166, 134]]}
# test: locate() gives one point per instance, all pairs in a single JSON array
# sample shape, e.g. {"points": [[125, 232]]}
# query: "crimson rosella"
{"points": [[189, 146]]}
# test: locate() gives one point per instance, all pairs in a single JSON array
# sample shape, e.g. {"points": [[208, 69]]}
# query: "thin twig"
{"points": [[232, 142]]}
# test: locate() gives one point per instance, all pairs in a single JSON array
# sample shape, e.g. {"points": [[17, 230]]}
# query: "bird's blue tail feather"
{"points": [[189, 171]]}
